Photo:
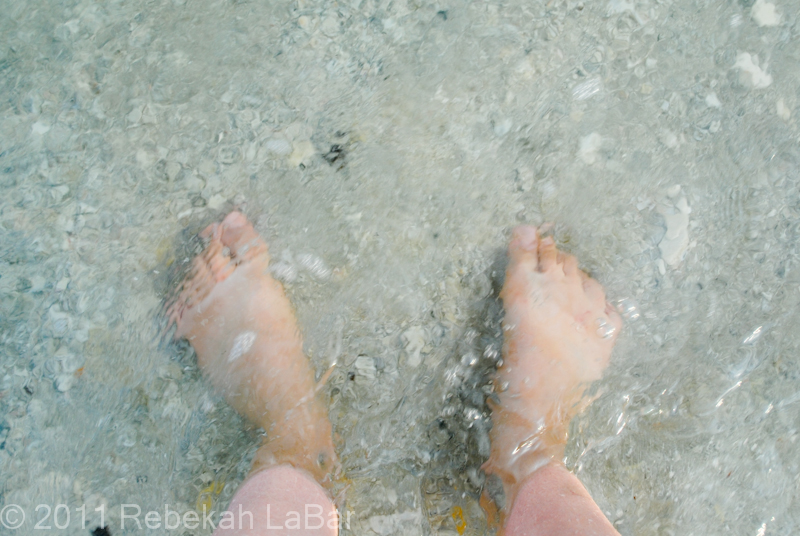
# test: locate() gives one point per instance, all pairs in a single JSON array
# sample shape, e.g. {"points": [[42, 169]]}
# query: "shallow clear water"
{"points": [[385, 149]]}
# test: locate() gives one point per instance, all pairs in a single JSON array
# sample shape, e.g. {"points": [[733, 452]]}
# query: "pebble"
{"points": [[401, 523], [36, 409], [302, 151], [314, 265], [216, 202], [765, 14], [68, 361], [307, 23], [365, 368], [413, 342], [661, 268], [194, 183], [675, 242], [283, 271], [228, 155], [278, 146], [40, 128], [588, 89], [750, 73], [783, 111], [172, 169], [501, 128], [330, 27], [37, 283], [587, 151], [712, 101], [668, 138], [64, 382], [135, 115], [61, 321], [59, 192]]}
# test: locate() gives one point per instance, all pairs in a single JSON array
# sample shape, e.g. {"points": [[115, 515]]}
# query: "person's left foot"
{"points": [[244, 332]]}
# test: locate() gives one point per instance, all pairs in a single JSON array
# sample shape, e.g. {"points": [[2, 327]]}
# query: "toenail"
{"points": [[234, 220], [548, 241]]}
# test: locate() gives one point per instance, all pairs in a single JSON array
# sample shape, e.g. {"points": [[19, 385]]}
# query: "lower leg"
{"points": [[279, 501], [559, 332], [244, 332], [552, 501]]}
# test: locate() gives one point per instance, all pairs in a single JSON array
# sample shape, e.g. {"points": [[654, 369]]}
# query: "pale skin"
{"points": [[230, 294], [559, 332]]}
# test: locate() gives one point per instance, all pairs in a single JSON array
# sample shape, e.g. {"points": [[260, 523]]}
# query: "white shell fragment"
{"points": [[278, 147], [587, 151], [712, 101], [365, 368], [750, 72], [675, 242], [765, 14], [302, 151], [413, 342], [314, 265], [783, 111], [64, 382], [588, 89]]}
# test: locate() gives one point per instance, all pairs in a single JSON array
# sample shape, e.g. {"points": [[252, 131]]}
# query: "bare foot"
{"points": [[559, 332], [243, 330]]}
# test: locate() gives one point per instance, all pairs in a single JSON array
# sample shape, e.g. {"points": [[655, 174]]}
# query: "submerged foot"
{"points": [[244, 332], [559, 332]]}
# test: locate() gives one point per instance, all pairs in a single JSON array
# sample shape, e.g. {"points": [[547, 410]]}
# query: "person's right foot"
{"points": [[559, 332]]}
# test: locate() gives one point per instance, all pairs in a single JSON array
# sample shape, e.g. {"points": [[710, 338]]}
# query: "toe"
{"points": [[569, 263], [235, 220], [523, 246], [595, 293], [548, 253], [209, 231], [238, 235], [213, 249]]}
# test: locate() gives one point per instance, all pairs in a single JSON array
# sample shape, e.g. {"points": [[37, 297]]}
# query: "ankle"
{"points": [[318, 460], [520, 448]]}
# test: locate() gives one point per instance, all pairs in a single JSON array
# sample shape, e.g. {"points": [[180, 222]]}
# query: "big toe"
{"points": [[522, 250], [238, 235]]}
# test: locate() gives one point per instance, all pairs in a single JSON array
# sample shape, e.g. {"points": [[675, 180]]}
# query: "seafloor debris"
{"points": [[676, 211]]}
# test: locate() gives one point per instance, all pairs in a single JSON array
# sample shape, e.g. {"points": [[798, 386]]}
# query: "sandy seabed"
{"points": [[385, 150]]}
